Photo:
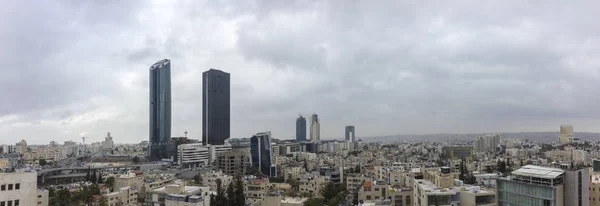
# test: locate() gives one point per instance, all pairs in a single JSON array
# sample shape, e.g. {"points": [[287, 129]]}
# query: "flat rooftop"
{"points": [[539, 172], [430, 188]]}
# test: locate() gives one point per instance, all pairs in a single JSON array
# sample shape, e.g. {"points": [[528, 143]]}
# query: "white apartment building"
{"points": [[124, 196], [20, 188], [210, 179]]}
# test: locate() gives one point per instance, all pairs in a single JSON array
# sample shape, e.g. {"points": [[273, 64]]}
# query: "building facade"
{"points": [[315, 130], [566, 133], [233, 162], [301, 128], [532, 185], [260, 150], [20, 188], [215, 107], [160, 109], [349, 133]]}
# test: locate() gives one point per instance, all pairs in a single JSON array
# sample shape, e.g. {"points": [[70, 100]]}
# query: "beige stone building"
{"points": [[233, 162], [380, 191], [125, 196], [20, 188]]}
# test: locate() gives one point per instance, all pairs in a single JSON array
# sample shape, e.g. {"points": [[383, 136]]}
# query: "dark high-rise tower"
{"points": [[260, 150], [160, 109], [301, 128], [350, 136], [215, 107]]}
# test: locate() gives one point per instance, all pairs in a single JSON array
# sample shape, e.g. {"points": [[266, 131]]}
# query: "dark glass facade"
{"points": [[301, 128], [160, 110], [215, 107], [260, 150]]}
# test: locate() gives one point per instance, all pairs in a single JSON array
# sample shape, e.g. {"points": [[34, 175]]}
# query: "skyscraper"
{"points": [[315, 131], [260, 150], [350, 134], [160, 109], [215, 107], [301, 128]]}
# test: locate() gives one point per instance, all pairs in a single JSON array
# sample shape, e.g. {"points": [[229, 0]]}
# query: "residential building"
{"points": [[160, 110], [532, 185], [374, 191], [260, 150], [215, 107], [233, 162], [131, 180], [301, 128], [178, 194], [124, 196], [463, 153], [210, 179], [21, 147], [20, 188], [315, 131]]}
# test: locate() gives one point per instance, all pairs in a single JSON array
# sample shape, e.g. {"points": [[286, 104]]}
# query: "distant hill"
{"points": [[534, 136]]}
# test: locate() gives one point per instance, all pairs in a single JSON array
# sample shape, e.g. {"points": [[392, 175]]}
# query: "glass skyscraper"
{"points": [[215, 107], [301, 128], [160, 109], [260, 150]]}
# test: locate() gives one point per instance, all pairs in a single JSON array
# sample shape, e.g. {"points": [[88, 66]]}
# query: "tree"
{"points": [[230, 194], [501, 167], [313, 202], [94, 178], [334, 194], [135, 160], [355, 198], [198, 179], [88, 176], [63, 197], [220, 198], [213, 201], [357, 169], [110, 183], [462, 171], [522, 164], [43, 162], [306, 166], [100, 180], [103, 201]]}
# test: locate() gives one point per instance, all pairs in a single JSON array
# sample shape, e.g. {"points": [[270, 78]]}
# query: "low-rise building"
{"points": [[20, 188], [233, 162], [125, 196]]}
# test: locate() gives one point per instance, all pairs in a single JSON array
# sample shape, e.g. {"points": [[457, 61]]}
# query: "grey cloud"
{"points": [[387, 68]]}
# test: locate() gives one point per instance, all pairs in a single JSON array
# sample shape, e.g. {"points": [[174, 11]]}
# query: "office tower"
{"points": [[160, 109], [487, 143], [260, 151], [315, 132], [479, 145], [532, 185], [301, 128], [566, 133], [215, 107], [350, 134]]}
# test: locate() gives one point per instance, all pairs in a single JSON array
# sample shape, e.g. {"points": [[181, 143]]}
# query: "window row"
{"points": [[5, 187]]}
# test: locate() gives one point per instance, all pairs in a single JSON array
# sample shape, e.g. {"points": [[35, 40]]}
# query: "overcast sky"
{"points": [[73, 68]]}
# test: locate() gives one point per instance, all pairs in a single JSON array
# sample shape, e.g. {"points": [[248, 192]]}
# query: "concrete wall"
{"points": [[27, 188]]}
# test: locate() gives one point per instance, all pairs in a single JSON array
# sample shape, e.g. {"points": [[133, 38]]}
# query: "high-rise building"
{"points": [[301, 128], [215, 107], [487, 143], [566, 133], [532, 185], [350, 134], [160, 109], [315, 131], [260, 151]]}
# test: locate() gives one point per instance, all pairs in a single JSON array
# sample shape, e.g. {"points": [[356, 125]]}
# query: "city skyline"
{"points": [[391, 68]]}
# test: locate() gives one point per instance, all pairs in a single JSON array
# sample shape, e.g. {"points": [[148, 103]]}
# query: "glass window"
{"points": [[10, 186], [16, 202], [2, 187], [9, 203], [17, 186], [2, 203]]}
